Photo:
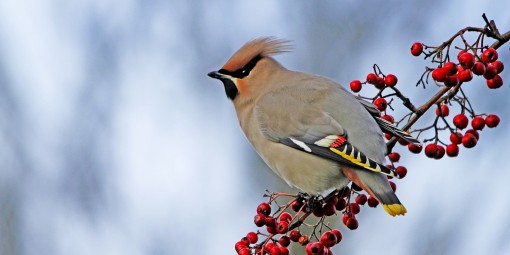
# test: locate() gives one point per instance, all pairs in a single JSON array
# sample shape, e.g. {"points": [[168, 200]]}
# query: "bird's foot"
{"points": [[312, 201]]}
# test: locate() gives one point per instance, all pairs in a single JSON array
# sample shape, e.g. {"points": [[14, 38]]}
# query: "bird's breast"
{"points": [[299, 169]]}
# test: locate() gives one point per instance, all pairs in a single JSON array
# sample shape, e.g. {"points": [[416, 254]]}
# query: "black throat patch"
{"points": [[230, 88]]}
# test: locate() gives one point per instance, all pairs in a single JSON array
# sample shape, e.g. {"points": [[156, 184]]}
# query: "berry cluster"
{"points": [[486, 65], [287, 224], [469, 139], [449, 76], [481, 62]]}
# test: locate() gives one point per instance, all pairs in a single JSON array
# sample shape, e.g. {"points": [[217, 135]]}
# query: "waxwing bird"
{"points": [[308, 129]]}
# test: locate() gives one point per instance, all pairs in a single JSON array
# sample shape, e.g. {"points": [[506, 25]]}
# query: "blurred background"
{"points": [[114, 141]]}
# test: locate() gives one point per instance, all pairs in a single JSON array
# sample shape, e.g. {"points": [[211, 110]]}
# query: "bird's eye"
{"points": [[245, 71]]}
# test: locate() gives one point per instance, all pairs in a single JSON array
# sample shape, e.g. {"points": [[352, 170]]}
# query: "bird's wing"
{"points": [[385, 125], [297, 123]]}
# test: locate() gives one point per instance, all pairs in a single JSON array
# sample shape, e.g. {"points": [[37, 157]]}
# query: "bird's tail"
{"points": [[377, 185]]}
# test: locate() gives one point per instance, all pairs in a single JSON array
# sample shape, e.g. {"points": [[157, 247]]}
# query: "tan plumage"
{"points": [[292, 119]]}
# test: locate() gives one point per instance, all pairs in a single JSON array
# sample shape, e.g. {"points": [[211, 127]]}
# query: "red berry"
{"points": [[467, 60], [315, 249], [498, 65], [352, 223], [495, 82], [285, 216], [259, 220], [439, 74], [264, 209], [469, 140], [275, 251], [272, 230], [456, 138], [252, 237], [371, 78], [296, 205], [490, 72], [245, 241], [344, 192], [308, 249], [318, 212], [329, 209], [478, 68], [239, 246], [460, 121], [282, 227], [328, 239], [303, 240], [379, 83], [355, 187], [489, 55], [387, 136], [332, 201], [381, 104], [356, 85], [355, 209], [361, 199], [372, 201], [294, 235], [474, 132], [460, 68], [270, 221], [431, 150], [450, 68], [445, 111], [284, 241], [451, 80], [388, 118], [244, 251], [478, 123], [465, 75], [341, 204], [452, 150], [393, 186], [492, 120], [390, 80], [414, 148], [394, 157], [401, 171], [283, 250], [269, 246], [338, 235], [440, 152], [460, 53], [345, 217], [417, 49]]}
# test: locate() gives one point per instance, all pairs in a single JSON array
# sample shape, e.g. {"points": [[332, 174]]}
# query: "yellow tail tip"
{"points": [[395, 209]]}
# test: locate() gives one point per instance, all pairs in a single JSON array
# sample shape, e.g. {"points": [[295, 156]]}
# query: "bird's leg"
{"points": [[302, 196]]}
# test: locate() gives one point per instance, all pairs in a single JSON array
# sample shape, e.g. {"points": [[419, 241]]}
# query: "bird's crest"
{"points": [[262, 47]]}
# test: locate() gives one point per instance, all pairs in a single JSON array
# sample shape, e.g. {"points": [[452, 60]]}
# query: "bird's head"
{"points": [[250, 66]]}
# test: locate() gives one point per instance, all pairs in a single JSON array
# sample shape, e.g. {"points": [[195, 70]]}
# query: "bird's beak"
{"points": [[216, 75]]}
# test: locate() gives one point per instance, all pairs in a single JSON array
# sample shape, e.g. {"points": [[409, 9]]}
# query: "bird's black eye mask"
{"points": [[245, 70]]}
